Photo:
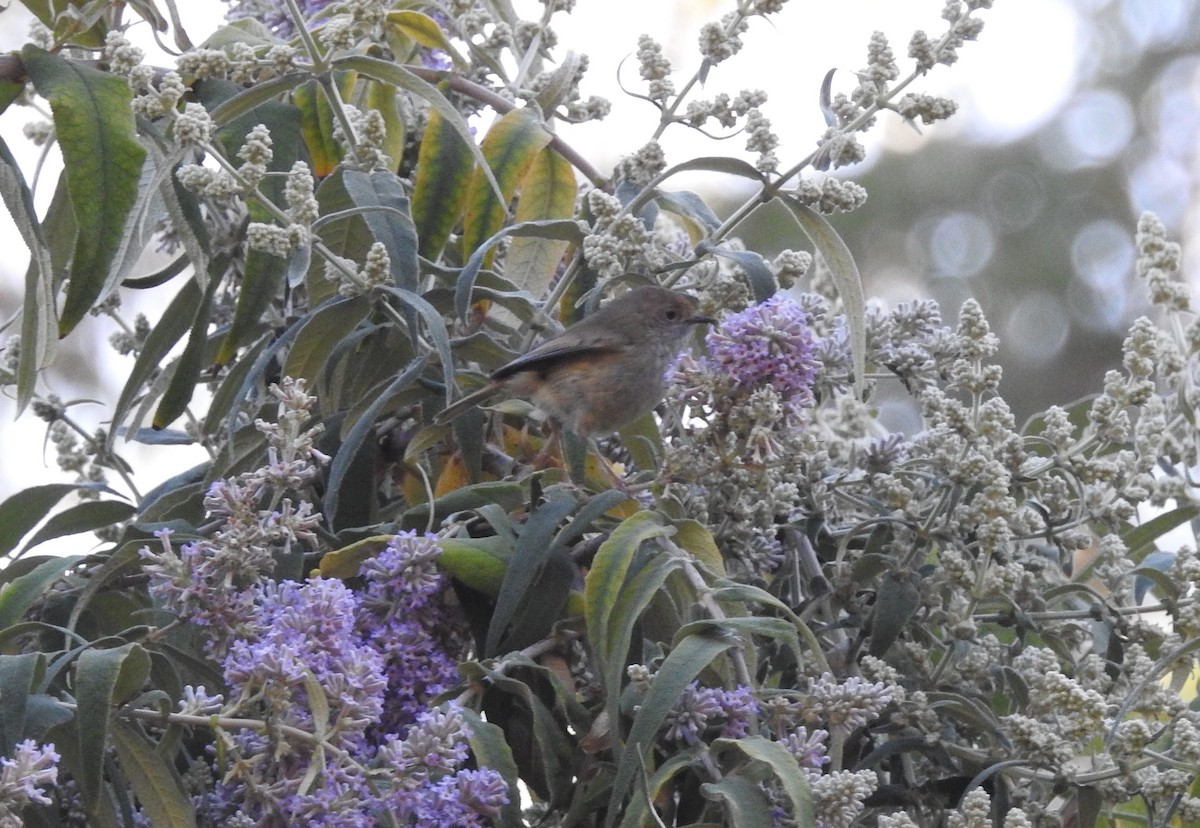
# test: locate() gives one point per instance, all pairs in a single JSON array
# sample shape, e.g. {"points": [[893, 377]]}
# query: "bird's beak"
{"points": [[700, 319]]}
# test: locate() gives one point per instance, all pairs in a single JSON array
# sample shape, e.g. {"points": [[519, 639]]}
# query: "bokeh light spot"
{"points": [[1037, 327], [960, 245]]}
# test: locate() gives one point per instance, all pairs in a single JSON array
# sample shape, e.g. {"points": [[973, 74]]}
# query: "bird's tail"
{"points": [[460, 405]]}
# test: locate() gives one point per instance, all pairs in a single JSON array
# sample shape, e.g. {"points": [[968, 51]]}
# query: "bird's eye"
{"points": [[672, 315]]}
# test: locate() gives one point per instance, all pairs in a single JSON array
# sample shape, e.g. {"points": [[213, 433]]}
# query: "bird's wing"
{"points": [[565, 346]]}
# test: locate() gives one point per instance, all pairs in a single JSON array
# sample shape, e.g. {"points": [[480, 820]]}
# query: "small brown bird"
{"points": [[602, 372]]}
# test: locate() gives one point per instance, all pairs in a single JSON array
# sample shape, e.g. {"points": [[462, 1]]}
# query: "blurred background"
{"points": [[1075, 116]]}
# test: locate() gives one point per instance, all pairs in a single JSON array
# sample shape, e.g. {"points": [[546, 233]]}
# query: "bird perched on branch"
{"points": [[604, 371]]}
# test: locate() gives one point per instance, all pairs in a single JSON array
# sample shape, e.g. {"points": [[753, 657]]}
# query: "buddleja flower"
{"points": [[432, 787], [273, 13], [24, 778], [402, 617], [767, 344]]}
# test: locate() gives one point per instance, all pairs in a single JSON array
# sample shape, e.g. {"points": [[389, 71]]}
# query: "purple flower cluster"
{"points": [[24, 778], [402, 617], [306, 633], [734, 709], [357, 670], [432, 788], [206, 582], [768, 343], [273, 13]]}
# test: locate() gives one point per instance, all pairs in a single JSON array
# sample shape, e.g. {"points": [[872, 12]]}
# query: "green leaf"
{"points": [[26, 509], [509, 148], [17, 676], [562, 229], [397, 75], [321, 329], [183, 380], [176, 319], [548, 192], [639, 590], [507, 494], [532, 557], [492, 751], [606, 578], [846, 278], [445, 164], [678, 670], [84, 517], [103, 678], [745, 802], [102, 163], [389, 219], [477, 562], [21, 593], [762, 280], [348, 450], [435, 328], [316, 128], [792, 778], [38, 340], [897, 602], [423, 29], [247, 101], [1137, 539], [262, 280], [689, 206], [156, 783]]}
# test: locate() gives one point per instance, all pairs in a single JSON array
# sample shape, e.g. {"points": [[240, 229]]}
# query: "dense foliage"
{"points": [[753, 607]]}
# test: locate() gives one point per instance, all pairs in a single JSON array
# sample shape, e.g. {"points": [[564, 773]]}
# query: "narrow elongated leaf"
{"points": [[792, 778], [477, 562], [262, 281], [531, 557], [21, 593], [27, 508], [102, 162], [509, 149], [350, 446], [85, 517], [37, 323], [255, 96], [157, 784], [191, 362], [897, 601], [175, 321], [385, 99], [17, 676], [745, 802], [445, 163], [423, 29], [316, 128], [435, 328], [562, 229], [492, 751], [762, 280], [845, 277], [321, 330], [101, 679], [682, 665], [507, 494], [389, 219], [394, 73], [1137, 539], [633, 599], [689, 206], [548, 191], [608, 573]]}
